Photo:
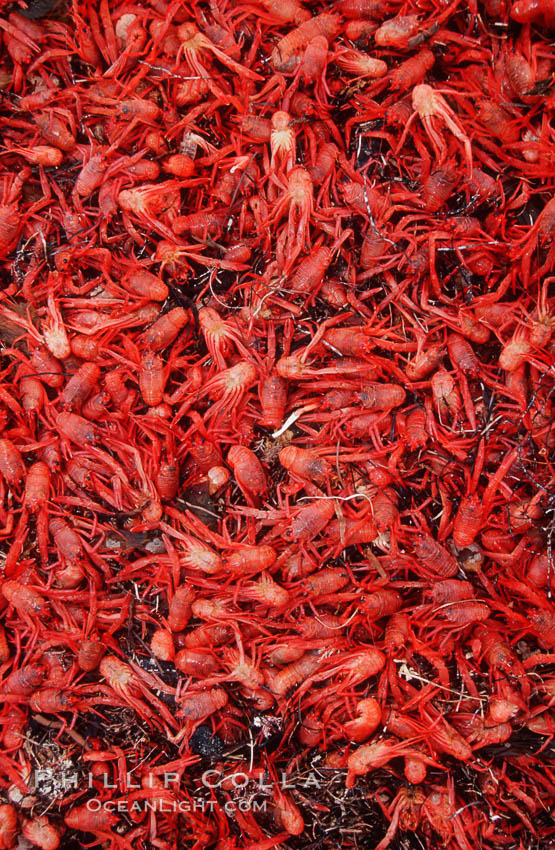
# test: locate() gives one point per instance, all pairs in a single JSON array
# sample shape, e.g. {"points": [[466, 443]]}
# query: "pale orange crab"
{"points": [[428, 103]]}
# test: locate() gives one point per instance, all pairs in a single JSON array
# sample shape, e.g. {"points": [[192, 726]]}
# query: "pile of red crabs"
{"points": [[277, 470]]}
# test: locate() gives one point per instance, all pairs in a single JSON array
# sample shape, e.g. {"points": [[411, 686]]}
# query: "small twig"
{"points": [[55, 724]]}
